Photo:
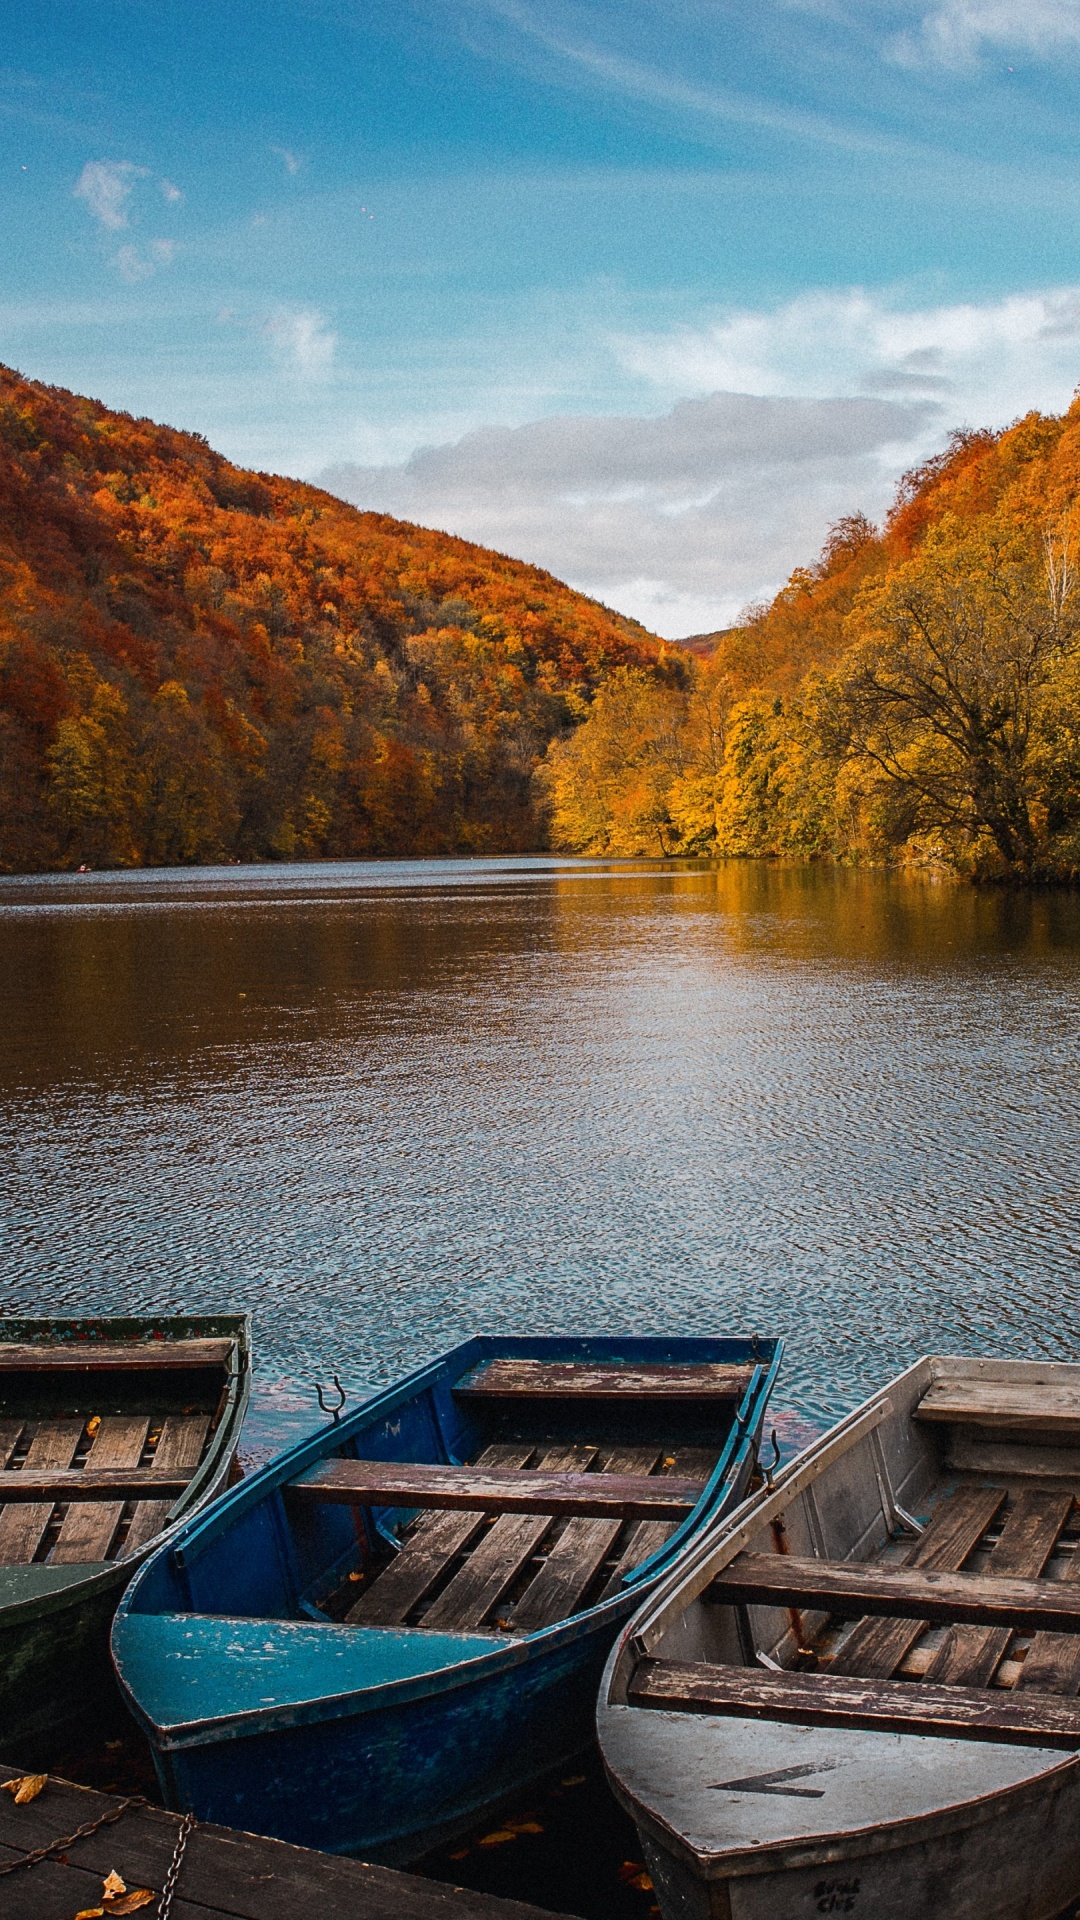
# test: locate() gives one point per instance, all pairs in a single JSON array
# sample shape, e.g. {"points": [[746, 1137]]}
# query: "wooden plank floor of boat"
{"points": [[75, 1520], [224, 1872], [460, 1570]]}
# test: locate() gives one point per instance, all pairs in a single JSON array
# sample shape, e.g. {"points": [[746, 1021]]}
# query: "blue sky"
{"points": [[649, 292]]}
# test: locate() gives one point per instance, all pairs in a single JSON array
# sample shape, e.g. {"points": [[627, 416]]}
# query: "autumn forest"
{"points": [[201, 664]]}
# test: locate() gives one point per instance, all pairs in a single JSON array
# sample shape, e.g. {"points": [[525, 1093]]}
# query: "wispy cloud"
{"points": [[641, 81], [289, 160], [107, 186], [137, 263], [956, 32], [170, 192], [302, 340]]}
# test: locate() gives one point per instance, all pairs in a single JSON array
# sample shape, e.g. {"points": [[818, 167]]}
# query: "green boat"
{"points": [[111, 1431]]}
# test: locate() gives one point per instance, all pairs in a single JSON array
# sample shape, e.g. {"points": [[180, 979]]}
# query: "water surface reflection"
{"points": [[388, 1104]]}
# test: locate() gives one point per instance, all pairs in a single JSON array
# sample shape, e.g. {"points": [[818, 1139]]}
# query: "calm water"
{"points": [[385, 1105]]}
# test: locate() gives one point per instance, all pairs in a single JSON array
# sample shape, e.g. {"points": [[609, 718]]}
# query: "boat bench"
{"points": [[518, 1380], [830, 1700], [66, 1501], [484, 1525], [1015, 1408]]}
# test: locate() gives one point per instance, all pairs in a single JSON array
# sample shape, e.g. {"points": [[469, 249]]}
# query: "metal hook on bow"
{"points": [[327, 1406], [770, 1471]]}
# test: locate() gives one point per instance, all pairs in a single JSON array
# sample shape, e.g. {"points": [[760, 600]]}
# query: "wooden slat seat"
{"points": [[494, 1565], [24, 1521], [539, 1490], [40, 1356], [876, 1646], [1053, 1659], [89, 1527], [431, 1547], [1016, 1408], [577, 1380], [578, 1554], [851, 1589], [827, 1699], [180, 1448]]}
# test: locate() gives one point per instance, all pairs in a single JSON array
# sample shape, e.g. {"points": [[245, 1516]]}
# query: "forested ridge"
{"points": [[199, 663], [913, 697]]}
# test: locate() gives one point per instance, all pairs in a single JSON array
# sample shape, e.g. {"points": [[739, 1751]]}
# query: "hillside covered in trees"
{"points": [[913, 697], [203, 664]]}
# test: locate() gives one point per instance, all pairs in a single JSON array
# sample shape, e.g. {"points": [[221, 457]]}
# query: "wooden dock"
{"points": [[224, 1873]]}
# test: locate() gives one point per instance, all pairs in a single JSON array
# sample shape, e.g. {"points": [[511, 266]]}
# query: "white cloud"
{"points": [[289, 160], [106, 186], [680, 518], [302, 341], [985, 363], [956, 32], [779, 422], [170, 192]]}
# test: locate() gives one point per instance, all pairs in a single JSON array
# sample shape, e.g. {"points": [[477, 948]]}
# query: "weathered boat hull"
{"points": [[377, 1741], [55, 1668], [763, 1814]]}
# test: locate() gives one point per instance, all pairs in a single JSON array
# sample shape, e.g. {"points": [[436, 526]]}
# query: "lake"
{"points": [[386, 1104]]}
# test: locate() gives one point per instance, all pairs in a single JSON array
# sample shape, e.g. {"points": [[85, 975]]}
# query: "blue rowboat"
{"points": [[403, 1620]]}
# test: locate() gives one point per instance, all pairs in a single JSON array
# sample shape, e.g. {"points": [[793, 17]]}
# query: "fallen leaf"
{"points": [[525, 1826], [575, 1780], [632, 1874], [89, 1913], [669, 1460], [131, 1902], [461, 1854], [113, 1885], [26, 1787], [497, 1839], [356, 1576], [93, 1425]]}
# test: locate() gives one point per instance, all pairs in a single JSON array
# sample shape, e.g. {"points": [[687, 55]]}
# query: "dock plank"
{"points": [[435, 1541], [89, 1526], [563, 1379], [969, 1655], [494, 1565], [539, 1490], [875, 1647], [829, 1700], [179, 1450], [224, 1873], [578, 1554], [23, 1524]]}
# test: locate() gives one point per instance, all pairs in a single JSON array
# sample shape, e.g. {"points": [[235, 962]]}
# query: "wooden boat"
{"points": [[110, 1430], [404, 1619], [858, 1694]]}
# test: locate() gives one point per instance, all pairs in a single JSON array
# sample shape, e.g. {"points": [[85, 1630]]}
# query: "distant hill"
{"points": [[703, 644], [199, 663]]}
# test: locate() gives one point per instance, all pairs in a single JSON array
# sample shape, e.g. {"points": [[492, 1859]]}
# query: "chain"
{"points": [[187, 1825], [80, 1833]]}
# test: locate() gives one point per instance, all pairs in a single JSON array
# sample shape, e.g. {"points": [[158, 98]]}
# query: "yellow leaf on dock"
{"points": [[26, 1787]]}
